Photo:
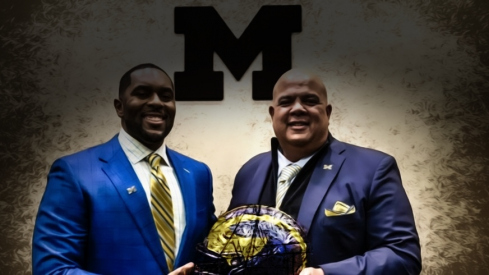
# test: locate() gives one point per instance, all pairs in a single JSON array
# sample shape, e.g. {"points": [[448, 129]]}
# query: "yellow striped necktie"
{"points": [[162, 209], [284, 181]]}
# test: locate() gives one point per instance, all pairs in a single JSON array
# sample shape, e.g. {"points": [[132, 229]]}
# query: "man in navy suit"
{"points": [[349, 199], [96, 213]]}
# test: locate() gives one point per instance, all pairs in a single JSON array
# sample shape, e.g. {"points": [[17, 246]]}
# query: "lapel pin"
{"points": [[186, 170], [131, 190], [328, 167]]}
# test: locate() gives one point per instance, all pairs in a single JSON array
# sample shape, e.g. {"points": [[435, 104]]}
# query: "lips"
{"points": [[154, 118], [298, 125], [293, 123]]}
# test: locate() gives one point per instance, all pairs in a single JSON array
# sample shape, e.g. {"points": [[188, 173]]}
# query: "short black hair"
{"points": [[126, 78]]}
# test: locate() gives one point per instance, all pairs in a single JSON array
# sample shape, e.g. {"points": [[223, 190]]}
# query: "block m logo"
{"points": [[205, 32]]}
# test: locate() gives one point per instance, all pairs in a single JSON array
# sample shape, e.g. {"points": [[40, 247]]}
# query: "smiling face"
{"points": [[300, 114], [147, 107]]}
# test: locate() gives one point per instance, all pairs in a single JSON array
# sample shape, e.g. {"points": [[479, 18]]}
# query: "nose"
{"points": [[155, 99], [297, 106]]}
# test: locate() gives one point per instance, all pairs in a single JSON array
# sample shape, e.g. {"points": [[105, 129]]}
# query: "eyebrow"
{"points": [[283, 97], [308, 94]]}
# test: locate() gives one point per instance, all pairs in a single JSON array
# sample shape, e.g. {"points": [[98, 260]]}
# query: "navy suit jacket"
{"points": [[380, 237], [88, 222]]}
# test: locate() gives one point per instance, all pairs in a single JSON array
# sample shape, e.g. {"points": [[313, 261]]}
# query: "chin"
{"points": [[297, 142], [154, 136], [298, 139]]}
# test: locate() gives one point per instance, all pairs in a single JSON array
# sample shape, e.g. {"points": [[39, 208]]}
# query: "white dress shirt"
{"points": [[283, 162], [136, 153]]}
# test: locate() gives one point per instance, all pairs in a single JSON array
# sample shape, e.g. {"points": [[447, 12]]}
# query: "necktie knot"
{"points": [[288, 173], [154, 160]]}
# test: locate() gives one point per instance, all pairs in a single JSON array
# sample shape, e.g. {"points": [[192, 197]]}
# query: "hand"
{"points": [[183, 270], [311, 271]]}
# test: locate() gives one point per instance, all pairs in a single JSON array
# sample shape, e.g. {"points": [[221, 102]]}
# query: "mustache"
{"points": [[155, 112]]}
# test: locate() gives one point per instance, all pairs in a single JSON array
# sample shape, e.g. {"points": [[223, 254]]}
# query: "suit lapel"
{"points": [[323, 175], [259, 179], [186, 182], [120, 172]]}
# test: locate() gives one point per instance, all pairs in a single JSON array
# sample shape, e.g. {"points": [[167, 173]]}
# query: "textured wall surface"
{"points": [[406, 77]]}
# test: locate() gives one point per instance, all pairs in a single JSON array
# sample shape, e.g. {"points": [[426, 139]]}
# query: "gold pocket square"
{"points": [[340, 209]]}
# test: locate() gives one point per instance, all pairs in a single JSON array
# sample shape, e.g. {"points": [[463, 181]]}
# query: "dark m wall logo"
{"points": [[270, 32]]}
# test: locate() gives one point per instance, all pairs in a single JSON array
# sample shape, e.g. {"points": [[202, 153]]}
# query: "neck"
{"points": [[296, 154], [153, 146]]}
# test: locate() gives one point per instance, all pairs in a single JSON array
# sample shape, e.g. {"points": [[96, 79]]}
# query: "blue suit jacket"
{"points": [[378, 238], [89, 222]]}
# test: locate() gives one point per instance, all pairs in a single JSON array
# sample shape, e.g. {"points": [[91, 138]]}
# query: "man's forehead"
{"points": [[148, 73], [305, 87], [150, 76], [282, 85]]}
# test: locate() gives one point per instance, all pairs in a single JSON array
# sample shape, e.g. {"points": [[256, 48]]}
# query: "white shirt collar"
{"points": [[283, 161], [136, 151]]}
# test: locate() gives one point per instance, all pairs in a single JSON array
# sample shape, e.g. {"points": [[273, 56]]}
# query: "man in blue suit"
{"points": [[96, 215], [349, 199]]}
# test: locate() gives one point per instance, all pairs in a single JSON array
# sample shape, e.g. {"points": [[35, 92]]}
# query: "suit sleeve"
{"points": [[241, 187], [392, 244], [60, 232], [237, 190], [211, 214]]}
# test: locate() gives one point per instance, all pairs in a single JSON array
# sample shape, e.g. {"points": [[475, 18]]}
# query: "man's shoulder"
{"points": [[174, 155], [254, 164], [259, 159], [359, 151], [94, 151]]}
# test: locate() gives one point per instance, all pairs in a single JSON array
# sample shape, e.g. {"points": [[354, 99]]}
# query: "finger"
{"points": [[187, 269], [306, 271]]}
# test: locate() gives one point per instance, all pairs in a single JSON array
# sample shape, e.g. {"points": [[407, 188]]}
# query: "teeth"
{"points": [[154, 118]]}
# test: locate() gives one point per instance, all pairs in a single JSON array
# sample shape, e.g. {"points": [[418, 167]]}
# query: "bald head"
{"points": [[300, 77], [300, 113]]}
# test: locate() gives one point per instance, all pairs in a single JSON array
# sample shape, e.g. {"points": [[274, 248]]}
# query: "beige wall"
{"points": [[400, 79]]}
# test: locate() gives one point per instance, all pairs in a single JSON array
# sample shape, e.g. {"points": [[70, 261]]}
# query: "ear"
{"points": [[271, 111], [119, 107], [329, 109]]}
